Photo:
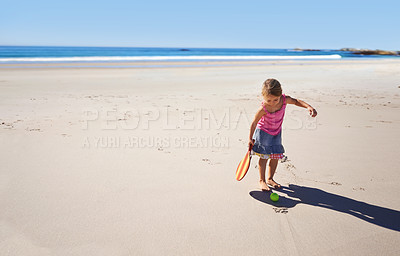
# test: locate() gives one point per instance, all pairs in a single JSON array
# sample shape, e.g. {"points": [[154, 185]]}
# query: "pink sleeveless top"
{"points": [[271, 123]]}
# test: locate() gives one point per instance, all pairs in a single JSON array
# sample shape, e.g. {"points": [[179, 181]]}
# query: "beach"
{"points": [[140, 159]]}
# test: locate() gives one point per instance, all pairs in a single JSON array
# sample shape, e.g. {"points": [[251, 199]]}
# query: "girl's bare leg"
{"points": [[262, 164], [273, 163]]}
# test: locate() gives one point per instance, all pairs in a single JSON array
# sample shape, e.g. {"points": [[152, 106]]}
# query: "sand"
{"points": [[141, 160]]}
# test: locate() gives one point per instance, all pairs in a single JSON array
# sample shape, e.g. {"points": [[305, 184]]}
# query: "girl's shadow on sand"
{"points": [[377, 215]]}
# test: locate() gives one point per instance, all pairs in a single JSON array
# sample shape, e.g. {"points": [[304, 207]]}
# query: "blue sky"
{"points": [[206, 23]]}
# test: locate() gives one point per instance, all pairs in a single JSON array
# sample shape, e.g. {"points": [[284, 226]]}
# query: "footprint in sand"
{"points": [[290, 167], [335, 183], [33, 130], [10, 125], [283, 210], [7, 125], [209, 161]]}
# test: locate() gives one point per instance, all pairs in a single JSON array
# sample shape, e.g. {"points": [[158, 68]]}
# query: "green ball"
{"points": [[274, 197]]}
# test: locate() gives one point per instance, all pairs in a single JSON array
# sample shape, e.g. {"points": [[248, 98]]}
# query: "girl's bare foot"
{"points": [[264, 186], [273, 184]]}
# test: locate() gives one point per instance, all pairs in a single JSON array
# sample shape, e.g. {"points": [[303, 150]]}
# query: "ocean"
{"points": [[59, 54]]}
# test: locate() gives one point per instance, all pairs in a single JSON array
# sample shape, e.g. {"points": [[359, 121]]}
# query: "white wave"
{"points": [[166, 58]]}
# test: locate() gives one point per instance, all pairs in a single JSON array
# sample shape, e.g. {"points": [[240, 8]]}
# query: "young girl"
{"points": [[266, 129]]}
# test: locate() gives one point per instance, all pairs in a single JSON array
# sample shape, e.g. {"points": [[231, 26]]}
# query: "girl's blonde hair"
{"points": [[271, 87]]}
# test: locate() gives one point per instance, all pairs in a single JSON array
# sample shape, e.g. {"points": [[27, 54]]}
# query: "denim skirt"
{"points": [[267, 144]]}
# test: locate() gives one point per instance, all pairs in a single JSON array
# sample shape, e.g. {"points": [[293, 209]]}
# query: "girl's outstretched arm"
{"points": [[253, 126], [302, 104]]}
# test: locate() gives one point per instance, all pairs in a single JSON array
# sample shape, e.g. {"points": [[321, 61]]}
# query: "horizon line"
{"points": [[179, 47]]}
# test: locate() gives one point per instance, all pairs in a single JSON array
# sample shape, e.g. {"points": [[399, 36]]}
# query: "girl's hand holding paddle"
{"points": [[251, 143]]}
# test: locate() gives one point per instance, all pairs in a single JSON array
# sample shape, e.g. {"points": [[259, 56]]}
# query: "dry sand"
{"points": [[141, 161]]}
